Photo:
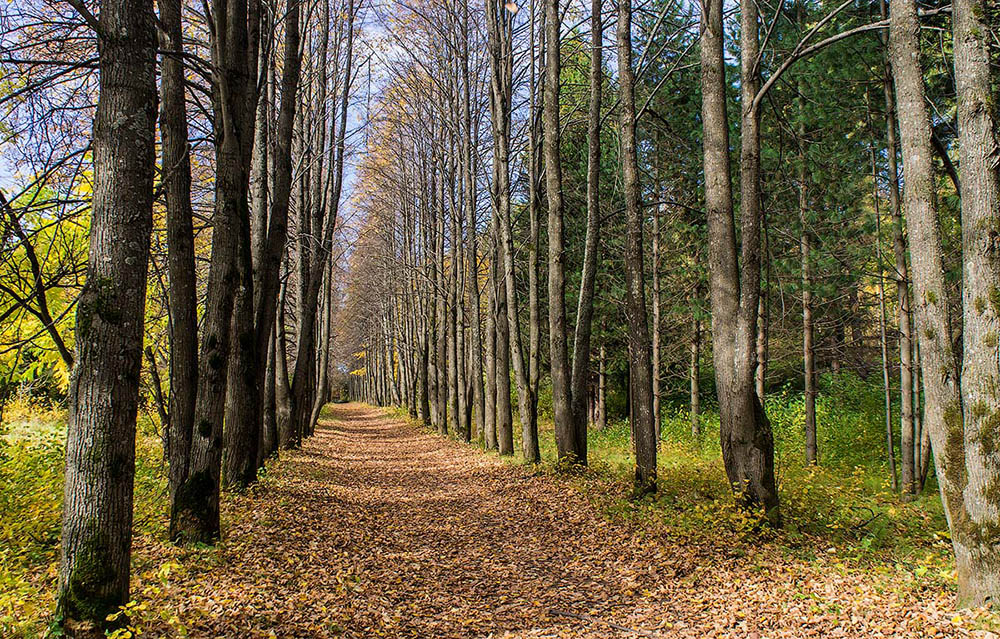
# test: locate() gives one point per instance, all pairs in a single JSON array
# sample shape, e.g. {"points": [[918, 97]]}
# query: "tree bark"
{"points": [[808, 361], [747, 442], [943, 405], [96, 539], [195, 513], [567, 442], [641, 379], [180, 246], [908, 463], [979, 154], [588, 276], [695, 379], [500, 29]]}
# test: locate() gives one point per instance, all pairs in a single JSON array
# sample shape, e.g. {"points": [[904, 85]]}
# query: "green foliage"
{"points": [[32, 463]]}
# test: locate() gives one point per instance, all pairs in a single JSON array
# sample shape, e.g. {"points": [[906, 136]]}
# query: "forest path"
{"points": [[379, 529]]}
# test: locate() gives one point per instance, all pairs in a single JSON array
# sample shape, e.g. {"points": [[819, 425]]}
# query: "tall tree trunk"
{"points": [[500, 30], [96, 539], [256, 300], [269, 432], [808, 361], [269, 292], [567, 442], [180, 246], [490, 412], [979, 580], [656, 300], [282, 388], [943, 404], [641, 379], [195, 512], [473, 312], [325, 225], [908, 463], [747, 442], [883, 340], [504, 420], [534, 206], [588, 277], [695, 378], [602, 391]]}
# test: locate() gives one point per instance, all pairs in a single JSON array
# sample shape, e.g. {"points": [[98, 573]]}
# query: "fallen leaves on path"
{"points": [[377, 529]]}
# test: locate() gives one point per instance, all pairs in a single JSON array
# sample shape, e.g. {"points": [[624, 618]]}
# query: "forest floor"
{"points": [[378, 528]]}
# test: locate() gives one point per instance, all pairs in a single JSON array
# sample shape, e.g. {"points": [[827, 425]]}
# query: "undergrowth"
{"points": [[32, 463], [844, 507]]}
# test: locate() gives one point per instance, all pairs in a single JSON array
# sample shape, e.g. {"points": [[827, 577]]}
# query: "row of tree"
{"points": [[481, 135], [222, 131]]}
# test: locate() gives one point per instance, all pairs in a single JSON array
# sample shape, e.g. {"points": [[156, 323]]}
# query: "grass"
{"points": [[32, 459], [844, 505]]}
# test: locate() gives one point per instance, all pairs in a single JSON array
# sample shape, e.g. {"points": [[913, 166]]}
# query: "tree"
{"points": [[747, 443], [568, 442], [956, 414], [975, 529], [641, 376], [104, 395], [235, 41]]}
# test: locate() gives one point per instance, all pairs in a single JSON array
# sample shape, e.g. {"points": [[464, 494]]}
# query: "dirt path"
{"points": [[376, 529]]}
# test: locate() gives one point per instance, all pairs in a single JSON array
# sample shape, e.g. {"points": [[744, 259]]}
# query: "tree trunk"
{"points": [[567, 442], [534, 206], [695, 378], [747, 442], [883, 341], [808, 362], [641, 379], [195, 512], [908, 462], [490, 412], [96, 539], [588, 277], [500, 29], [656, 303], [180, 246], [602, 392], [943, 405], [979, 579]]}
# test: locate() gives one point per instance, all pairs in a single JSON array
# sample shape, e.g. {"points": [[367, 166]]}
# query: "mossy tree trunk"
{"points": [[961, 425], [979, 581], [96, 538]]}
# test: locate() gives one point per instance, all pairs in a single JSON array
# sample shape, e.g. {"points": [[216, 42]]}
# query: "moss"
{"points": [[90, 593], [990, 339], [979, 304], [929, 333], [995, 299], [107, 305], [980, 410], [955, 449], [931, 297], [988, 437]]}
